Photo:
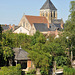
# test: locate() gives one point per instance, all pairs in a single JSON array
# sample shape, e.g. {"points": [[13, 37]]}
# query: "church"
{"points": [[46, 23]]}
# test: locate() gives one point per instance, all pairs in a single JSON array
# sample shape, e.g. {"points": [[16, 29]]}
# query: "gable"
{"points": [[25, 23], [21, 30]]}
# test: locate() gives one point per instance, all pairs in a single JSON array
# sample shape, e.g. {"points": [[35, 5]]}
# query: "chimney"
{"points": [[9, 26], [61, 23], [48, 25], [5, 24]]}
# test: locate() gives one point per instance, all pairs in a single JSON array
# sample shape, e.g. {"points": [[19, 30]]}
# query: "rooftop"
{"points": [[43, 27], [36, 19], [20, 54], [48, 5]]}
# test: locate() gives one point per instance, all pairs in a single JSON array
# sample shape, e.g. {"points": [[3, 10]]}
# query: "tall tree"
{"points": [[70, 27], [0, 32]]}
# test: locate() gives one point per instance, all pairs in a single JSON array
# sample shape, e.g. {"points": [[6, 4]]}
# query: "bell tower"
{"points": [[49, 11]]}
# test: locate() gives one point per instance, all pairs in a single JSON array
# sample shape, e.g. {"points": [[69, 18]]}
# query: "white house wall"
{"points": [[21, 30]]}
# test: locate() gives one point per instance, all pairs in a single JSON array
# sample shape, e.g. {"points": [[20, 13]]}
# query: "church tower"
{"points": [[49, 11]]}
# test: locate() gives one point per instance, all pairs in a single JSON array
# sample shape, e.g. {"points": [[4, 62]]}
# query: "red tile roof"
{"points": [[36, 19]]}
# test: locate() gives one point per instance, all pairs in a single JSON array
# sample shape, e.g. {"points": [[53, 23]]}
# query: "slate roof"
{"points": [[58, 21], [20, 54], [5, 27], [16, 27], [42, 27], [58, 25], [49, 5], [36, 19], [52, 27]]}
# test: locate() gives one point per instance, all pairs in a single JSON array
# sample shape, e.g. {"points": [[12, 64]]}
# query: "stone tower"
{"points": [[49, 11]]}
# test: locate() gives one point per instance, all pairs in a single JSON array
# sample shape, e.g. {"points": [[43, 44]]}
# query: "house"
{"points": [[21, 57], [8, 27]]}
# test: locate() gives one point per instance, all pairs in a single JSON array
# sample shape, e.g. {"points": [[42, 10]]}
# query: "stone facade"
{"points": [[49, 14], [49, 11], [24, 22]]}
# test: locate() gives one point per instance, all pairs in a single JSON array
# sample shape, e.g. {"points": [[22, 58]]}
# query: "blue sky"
{"points": [[11, 11]]}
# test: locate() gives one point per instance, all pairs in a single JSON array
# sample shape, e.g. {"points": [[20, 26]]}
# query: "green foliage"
{"points": [[34, 38], [12, 70], [31, 72], [61, 61], [7, 53], [70, 27], [69, 71]]}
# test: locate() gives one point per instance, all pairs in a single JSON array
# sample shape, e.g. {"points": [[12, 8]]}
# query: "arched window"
{"points": [[54, 14], [43, 14], [23, 24], [51, 13]]}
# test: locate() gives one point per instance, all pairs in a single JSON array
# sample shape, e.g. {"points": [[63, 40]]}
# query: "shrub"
{"points": [[11, 70], [31, 72], [69, 71]]}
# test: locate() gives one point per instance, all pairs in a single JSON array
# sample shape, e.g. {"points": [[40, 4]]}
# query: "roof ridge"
{"points": [[35, 16]]}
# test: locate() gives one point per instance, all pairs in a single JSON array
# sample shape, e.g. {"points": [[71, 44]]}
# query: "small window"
{"points": [[23, 24], [51, 13], [54, 14], [43, 14]]}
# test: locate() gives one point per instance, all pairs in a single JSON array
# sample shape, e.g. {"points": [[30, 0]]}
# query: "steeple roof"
{"points": [[49, 5]]}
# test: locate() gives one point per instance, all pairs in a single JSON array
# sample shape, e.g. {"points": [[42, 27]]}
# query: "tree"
{"points": [[70, 27], [0, 32], [7, 53]]}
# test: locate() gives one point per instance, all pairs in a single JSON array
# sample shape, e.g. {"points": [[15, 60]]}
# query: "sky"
{"points": [[11, 11]]}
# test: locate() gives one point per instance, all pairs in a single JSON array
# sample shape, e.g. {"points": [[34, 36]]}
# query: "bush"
{"points": [[69, 71], [31, 72], [11, 70], [61, 60]]}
